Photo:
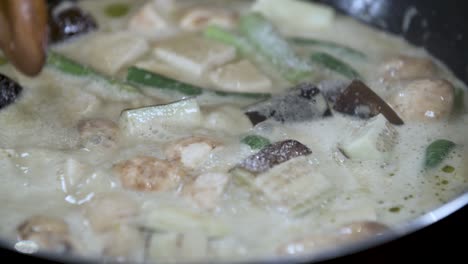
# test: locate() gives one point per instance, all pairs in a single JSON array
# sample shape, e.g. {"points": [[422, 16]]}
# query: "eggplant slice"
{"points": [[273, 155], [357, 99], [302, 103], [9, 91], [69, 21]]}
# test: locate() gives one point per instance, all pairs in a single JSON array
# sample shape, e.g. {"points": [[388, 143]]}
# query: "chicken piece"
{"points": [[98, 132], [150, 22], [198, 18], [194, 55], [406, 67], [192, 152], [110, 210], [49, 233], [144, 173], [424, 100], [207, 189], [352, 232], [241, 77]]}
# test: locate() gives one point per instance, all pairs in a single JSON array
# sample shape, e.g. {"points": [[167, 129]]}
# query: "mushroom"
{"points": [[424, 100], [406, 67]]}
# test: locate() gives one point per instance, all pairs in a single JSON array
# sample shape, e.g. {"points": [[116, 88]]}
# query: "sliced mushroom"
{"points": [[144, 173], [424, 100], [301, 103], [49, 233]]}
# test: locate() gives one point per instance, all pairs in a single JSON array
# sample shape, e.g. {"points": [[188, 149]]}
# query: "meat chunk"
{"points": [[49, 233], [207, 189], [98, 132], [109, 210], [406, 67], [424, 100], [144, 173], [199, 17], [192, 152]]}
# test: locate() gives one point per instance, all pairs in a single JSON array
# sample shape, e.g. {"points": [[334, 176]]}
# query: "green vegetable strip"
{"points": [[459, 103], [256, 142], [332, 63], [437, 151], [116, 10], [329, 45], [3, 61], [144, 77], [245, 95], [267, 40], [69, 66], [221, 35]]}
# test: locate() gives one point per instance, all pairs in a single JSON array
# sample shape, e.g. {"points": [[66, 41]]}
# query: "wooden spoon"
{"points": [[23, 33]]}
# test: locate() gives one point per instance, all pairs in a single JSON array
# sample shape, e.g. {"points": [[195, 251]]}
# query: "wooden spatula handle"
{"points": [[23, 33]]}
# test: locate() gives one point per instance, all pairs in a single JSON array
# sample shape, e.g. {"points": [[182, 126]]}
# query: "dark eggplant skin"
{"points": [[357, 96], [9, 91], [68, 22], [273, 155], [301, 103]]}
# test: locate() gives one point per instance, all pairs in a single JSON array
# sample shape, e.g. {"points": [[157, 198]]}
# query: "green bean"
{"points": [[334, 64]]}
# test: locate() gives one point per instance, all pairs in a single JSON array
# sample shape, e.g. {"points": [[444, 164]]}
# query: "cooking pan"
{"points": [[440, 27]]}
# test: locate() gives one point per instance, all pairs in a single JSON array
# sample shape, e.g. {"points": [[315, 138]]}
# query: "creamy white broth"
{"points": [[48, 170]]}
